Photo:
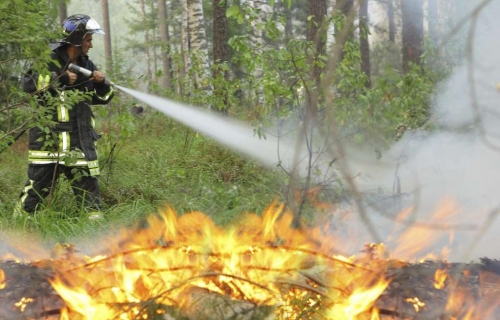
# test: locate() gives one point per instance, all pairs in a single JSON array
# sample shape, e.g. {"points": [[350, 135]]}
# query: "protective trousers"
{"points": [[42, 178]]}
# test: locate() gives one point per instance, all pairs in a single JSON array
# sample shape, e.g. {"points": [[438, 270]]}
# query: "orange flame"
{"points": [[184, 264], [440, 278], [2, 279], [262, 261]]}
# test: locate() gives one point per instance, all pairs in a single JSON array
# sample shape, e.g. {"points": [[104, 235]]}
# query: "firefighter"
{"points": [[68, 147]]}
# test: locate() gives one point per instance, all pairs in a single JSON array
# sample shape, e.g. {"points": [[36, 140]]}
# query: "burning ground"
{"points": [[186, 267]]}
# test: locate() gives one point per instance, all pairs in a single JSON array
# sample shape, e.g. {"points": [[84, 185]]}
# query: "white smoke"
{"points": [[424, 171], [460, 163]]}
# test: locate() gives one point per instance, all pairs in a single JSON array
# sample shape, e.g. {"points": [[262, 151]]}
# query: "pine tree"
{"points": [[165, 43], [220, 51]]}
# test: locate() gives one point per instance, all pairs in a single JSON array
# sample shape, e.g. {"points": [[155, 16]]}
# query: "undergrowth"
{"points": [[160, 163]]}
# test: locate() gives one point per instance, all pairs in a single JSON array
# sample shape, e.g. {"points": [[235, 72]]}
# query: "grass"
{"points": [[157, 163]]}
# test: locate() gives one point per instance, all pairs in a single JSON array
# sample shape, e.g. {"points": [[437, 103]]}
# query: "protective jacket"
{"points": [[73, 136]]}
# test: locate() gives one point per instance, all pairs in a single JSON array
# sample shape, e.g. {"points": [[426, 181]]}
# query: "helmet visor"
{"points": [[93, 27]]}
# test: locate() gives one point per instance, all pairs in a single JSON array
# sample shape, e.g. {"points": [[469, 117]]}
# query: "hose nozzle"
{"points": [[86, 72], [75, 68]]}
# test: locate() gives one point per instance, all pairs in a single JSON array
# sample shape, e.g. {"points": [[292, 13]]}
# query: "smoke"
{"points": [[455, 169], [444, 182]]}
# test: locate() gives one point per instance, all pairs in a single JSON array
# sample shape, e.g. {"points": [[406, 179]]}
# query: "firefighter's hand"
{"points": [[71, 77], [97, 76]]}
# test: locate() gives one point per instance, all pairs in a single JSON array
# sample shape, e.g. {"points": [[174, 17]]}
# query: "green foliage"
{"points": [[377, 115], [27, 29]]}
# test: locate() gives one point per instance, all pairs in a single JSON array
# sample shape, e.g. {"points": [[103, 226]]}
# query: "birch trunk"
{"points": [[146, 47], [257, 42], [184, 48], [330, 39], [198, 44]]}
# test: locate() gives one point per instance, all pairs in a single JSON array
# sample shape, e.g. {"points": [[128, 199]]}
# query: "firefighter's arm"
{"points": [[103, 90], [103, 93]]}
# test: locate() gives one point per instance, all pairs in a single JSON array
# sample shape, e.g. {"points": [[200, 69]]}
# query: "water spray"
{"points": [[234, 134]]}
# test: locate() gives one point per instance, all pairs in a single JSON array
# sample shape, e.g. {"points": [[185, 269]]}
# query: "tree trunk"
{"points": [[184, 48], [330, 34], [288, 23], [154, 42], [413, 20], [316, 34], [165, 41], [107, 37], [433, 16], [63, 11], [198, 43], [345, 7], [390, 19], [257, 42], [155, 56], [220, 51], [364, 45], [146, 47]]}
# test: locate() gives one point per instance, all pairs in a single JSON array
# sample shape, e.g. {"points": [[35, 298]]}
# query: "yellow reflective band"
{"points": [[42, 154], [60, 141], [25, 192], [64, 141], [106, 97], [62, 113], [78, 163], [49, 154], [94, 167], [93, 164], [43, 82], [48, 157], [37, 155]]}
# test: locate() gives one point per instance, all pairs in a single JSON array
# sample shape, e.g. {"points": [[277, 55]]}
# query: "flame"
{"points": [[417, 304], [442, 218], [23, 303], [440, 278], [262, 261], [2, 279], [188, 265]]}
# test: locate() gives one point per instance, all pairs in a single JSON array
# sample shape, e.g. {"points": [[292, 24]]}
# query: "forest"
{"points": [[369, 122], [267, 64]]}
